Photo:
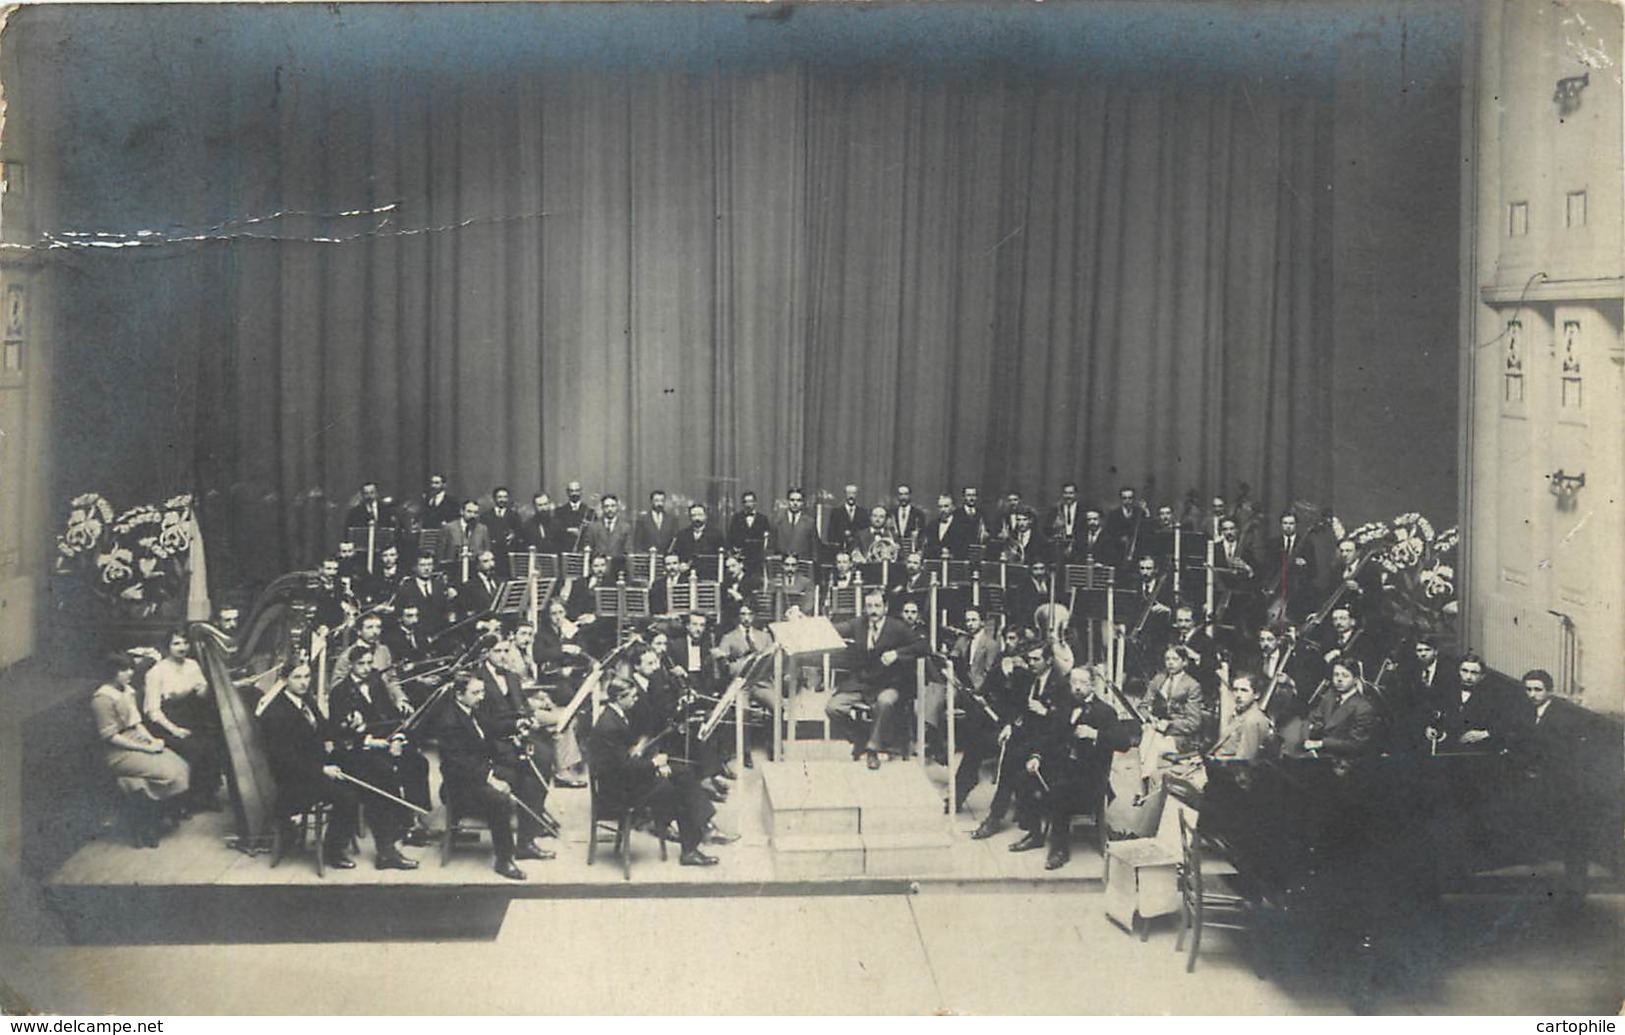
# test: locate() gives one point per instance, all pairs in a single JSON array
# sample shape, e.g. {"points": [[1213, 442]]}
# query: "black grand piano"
{"points": [[1347, 860]]}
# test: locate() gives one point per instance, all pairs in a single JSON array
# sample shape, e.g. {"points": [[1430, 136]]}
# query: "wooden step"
{"points": [[907, 854], [811, 856]]}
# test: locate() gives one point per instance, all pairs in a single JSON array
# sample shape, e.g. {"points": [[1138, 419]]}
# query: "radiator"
{"points": [[1518, 638]]}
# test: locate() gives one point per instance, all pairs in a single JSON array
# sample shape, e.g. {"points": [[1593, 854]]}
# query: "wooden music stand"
{"points": [[846, 601], [708, 566], [510, 597], [694, 595], [547, 565], [574, 565], [774, 566], [621, 602], [793, 639], [429, 542], [645, 569], [370, 540]]}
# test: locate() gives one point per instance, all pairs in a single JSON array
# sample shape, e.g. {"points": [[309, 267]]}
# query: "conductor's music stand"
{"points": [[794, 639]]}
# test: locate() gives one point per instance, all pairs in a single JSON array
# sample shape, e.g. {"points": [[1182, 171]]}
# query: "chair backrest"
{"points": [[1190, 852]]}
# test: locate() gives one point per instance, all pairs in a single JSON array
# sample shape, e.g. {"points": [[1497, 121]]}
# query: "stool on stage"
{"points": [[617, 823], [313, 820]]}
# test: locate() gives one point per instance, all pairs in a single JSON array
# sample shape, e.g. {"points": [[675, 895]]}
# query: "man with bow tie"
{"points": [[881, 658], [479, 777], [747, 531]]}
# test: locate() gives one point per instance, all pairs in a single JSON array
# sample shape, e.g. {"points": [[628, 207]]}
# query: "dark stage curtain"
{"points": [[712, 282]]}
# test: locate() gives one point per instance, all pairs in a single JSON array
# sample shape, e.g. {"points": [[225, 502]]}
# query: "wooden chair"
{"points": [[456, 821], [617, 823], [1207, 897], [312, 820]]}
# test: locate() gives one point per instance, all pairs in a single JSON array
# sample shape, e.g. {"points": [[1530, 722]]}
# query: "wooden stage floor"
{"points": [[194, 888]]}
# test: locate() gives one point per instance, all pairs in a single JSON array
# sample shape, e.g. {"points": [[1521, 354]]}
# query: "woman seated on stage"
{"points": [[179, 705], [147, 771]]}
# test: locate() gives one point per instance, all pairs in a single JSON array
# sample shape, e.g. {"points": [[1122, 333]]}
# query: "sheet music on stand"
{"points": [[1090, 576], [544, 592], [810, 635]]}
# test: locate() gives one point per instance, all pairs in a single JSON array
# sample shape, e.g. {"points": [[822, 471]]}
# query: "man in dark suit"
{"points": [[794, 532], [537, 529], [699, 539], [881, 660], [970, 525], [504, 526], [370, 510], [479, 594], [364, 718], [845, 520], [1289, 571], [656, 529], [1021, 600], [1092, 545], [1550, 730], [625, 778], [747, 530], [1468, 715], [465, 537], [477, 780], [438, 506], [570, 518], [404, 637], [379, 585], [909, 520], [1343, 723], [1411, 694], [611, 535], [1068, 761], [1063, 523], [305, 773], [426, 590], [1122, 526], [1234, 576], [940, 532]]}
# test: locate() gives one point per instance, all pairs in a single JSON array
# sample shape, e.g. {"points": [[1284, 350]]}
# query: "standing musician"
{"points": [[1022, 544], [656, 530], [464, 537], [1361, 580], [747, 531], [795, 534], [363, 721], [299, 749], [570, 517], [1062, 524], [879, 656], [370, 510], [1092, 545], [629, 776], [845, 520], [437, 507], [1122, 528], [478, 778], [1234, 575], [1290, 570], [1032, 692], [970, 529], [611, 535], [943, 535], [1003, 525], [536, 532], [699, 539], [1067, 764], [908, 520], [505, 526]]}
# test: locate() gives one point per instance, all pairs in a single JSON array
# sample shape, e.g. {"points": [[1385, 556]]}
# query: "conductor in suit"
{"points": [[627, 777], [478, 781], [880, 657], [793, 532]]}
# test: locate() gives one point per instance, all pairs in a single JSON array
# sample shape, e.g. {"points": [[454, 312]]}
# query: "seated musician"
{"points": [[377, 588], [404, 637], [559, 657], [1470, 716], [1347, 639], [796, 584], [1022, 545], [523, 639], [1250, 732], [179, 707], [479, 594], [881, 659], [479, 778], [628, 775], [1277, 689], [299, 750], [1360, 579], [1173, 703], [335, 599], [1410, 697], [1067, 763], [738, 586], [426, 589], [660, 594], [1343, 722], [844, 575], [352, 566], [695, 653], [988, 706], [699, 539], [1202, 658], [665, 704], [1033, 691], [913, 578], [877, 540], [148, 772], [1549, 743], [736, 650], [1025, 594], [370, 634], [364, 722]]}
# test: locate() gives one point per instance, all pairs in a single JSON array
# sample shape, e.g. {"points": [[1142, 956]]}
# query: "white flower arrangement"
{"points": [[133, 562]]}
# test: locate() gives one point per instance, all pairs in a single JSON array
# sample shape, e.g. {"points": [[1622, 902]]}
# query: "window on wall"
{"points": [[1518, 218]]}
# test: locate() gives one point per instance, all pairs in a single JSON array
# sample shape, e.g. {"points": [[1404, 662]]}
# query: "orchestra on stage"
{"points": [[1074, 656]]}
